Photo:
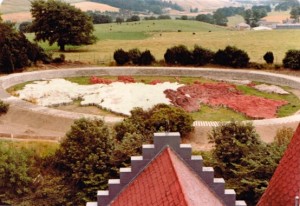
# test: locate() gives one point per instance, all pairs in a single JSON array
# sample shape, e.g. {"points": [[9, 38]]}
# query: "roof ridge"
{"points": [[140, 172], [175, 171], [192, 171]]}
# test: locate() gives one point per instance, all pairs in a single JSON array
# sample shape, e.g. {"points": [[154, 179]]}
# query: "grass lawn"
{"points": [[159, 35], [39, 148]]}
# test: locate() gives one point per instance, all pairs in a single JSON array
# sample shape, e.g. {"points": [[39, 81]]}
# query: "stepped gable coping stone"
{"points": [[167, 174]]}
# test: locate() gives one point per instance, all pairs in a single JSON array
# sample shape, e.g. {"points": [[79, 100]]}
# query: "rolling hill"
{"points": [[204, 5], [18, 10]]}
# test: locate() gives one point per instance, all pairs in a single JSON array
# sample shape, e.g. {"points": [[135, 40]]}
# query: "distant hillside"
{"points": [[204, 5], [14, 6], [155, 6], [18, 10]]}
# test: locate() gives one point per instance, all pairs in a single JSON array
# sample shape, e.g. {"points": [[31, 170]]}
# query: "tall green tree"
{"points": [[253, 16], [85, 159], [57, 21], [295, 13], [16, 51], [243, 160]]}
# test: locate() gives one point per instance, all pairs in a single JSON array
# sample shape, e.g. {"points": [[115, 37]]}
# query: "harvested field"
{"points": [[12, 13], [86, 5], [17, 17], [277, 17], [204, 4]]}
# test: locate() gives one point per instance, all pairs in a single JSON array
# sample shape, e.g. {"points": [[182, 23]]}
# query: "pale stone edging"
{"points": [[13, 79]]}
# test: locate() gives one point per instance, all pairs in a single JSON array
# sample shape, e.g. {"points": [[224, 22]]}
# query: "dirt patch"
{"points": [[223, 94]]}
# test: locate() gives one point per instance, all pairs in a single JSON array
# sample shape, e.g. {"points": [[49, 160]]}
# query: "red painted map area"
{"points": [[190, 97]]}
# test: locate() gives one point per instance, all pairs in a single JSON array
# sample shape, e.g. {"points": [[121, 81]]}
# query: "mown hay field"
{"points": [[159, 35]]}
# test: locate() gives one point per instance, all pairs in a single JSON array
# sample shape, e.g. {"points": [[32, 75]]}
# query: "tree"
{"points": [[220, 18], [57, 21], [292, 59], [99, 18], [85, 158], [178, 55], [160, 118], [243, 160], [208, 18], [295, 13], [24, 27], [119, 20], [3, 107], [133, 18], [16, 51], [269, 57], [134, 55], [232, 56], [121, 57], [202, 56], [146, 58], [252, 16]]}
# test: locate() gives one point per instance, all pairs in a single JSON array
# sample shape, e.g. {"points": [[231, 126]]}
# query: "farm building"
{"points": [[243, 26], [288, 26], [167, 174]]}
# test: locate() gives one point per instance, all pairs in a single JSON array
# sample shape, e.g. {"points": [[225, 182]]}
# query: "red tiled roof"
{"points": [[285, 183], [167, 180]]}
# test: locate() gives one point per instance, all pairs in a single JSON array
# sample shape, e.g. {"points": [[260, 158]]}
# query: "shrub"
{"points": [[3, 107], [133, 18], [283, 136], [202, 56], [161, 117], [150, 18], [16, 176], [121, 57], [292, 59], [232, 56], [254, 65], [134, 55], [59, 59], [164, 17], [178, 55], [146, 58], [269, 57], [24, 27]]}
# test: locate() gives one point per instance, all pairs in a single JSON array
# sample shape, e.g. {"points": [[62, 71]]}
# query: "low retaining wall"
{"points": [[13, 79]]}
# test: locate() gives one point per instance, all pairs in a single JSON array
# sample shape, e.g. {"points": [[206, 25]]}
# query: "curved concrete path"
{"points": [[68, 117]]}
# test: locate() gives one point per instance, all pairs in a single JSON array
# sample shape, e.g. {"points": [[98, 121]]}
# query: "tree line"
{"points": [[180, 55]]}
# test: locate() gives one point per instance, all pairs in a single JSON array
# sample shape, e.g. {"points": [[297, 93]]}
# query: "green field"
{"points": [[159, 35]]}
